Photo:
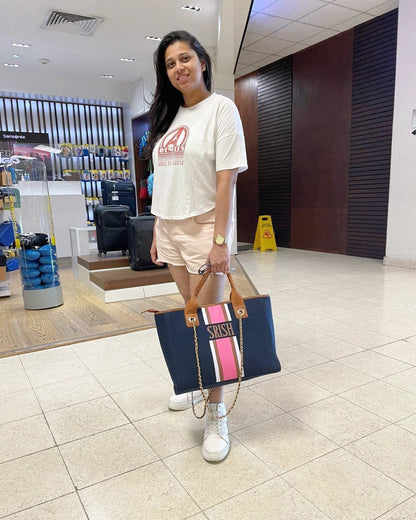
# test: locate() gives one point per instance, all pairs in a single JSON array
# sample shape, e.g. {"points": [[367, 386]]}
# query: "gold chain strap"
{"points": [[201, 387]]}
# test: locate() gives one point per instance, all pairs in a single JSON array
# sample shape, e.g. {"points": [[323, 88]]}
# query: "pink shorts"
{"points": [[186, 242]]}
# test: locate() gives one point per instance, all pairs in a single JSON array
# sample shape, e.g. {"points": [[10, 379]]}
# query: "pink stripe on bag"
{"points": [[216, 314], [226, 355]]}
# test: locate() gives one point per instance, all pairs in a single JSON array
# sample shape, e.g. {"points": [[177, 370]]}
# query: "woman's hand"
{"points": [[153, 253], [219, 258]]}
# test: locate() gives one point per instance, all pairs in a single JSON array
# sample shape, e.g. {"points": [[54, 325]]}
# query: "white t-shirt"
{"points": [[202, 140]]}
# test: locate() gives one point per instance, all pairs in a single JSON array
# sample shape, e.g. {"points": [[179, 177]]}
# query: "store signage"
{"points": [[28, 137]]}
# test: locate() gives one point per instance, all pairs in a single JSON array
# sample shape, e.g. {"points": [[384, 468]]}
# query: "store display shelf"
{"points": [[110, 261], [112, 280]]}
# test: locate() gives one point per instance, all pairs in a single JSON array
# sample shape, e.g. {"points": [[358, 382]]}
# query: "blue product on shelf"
{"points": [[6, 233], [30, 273], [24, 264], [32, 283], [12, 264], [48, 278], [48, 268], [30, 255], [47, 259], [47, 249]]}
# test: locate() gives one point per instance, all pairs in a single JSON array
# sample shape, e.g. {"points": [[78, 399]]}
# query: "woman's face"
{"points": [[184, 68]]}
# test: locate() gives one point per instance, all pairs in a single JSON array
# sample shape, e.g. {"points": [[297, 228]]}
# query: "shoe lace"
{"points": [[214, 425]]}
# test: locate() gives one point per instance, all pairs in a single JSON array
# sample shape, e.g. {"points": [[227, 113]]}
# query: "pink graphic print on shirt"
{"points": [[172, 147]]}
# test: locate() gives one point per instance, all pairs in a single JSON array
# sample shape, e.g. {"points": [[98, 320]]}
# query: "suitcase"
{"points": [[111, 227], [139, 240], [119, 192]]}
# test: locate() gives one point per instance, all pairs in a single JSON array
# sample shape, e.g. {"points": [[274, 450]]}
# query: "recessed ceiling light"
{"points": [[191, 8], [156, 38], [128, 59], [11, 65], [21, 45], [107, 76]]}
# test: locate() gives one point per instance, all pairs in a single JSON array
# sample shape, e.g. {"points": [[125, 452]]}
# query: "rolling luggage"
{"points": [[119, 192], [140, 236], [111, 226]]}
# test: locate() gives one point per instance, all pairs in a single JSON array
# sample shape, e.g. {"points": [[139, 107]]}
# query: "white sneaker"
{"points": [[179, 402], [216, 443]]}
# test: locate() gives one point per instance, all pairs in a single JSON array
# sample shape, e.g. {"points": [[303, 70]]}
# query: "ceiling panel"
{"points": [[352, 22], [320, 37], [329, 15], [249, 57], [360, 5], [296, 32], [270, 45], [293, 10], [384, 7], [264, 24], [305, 22]]}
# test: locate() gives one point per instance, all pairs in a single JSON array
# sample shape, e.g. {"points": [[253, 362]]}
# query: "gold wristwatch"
{"points": [[220, 240]]}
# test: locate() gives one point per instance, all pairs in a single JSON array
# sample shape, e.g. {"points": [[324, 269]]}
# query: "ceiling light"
{"points": [[11, 65], [155, 38], [191, 8], [16, 55], [128, 59], [107, 76], [21, 45]]}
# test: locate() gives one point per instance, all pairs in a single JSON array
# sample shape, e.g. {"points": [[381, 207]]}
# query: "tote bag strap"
{"points": [[237, 302], [201, 384]]}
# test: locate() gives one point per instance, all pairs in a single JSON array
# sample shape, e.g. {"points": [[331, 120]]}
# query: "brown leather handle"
{"points": [[191, 307]]}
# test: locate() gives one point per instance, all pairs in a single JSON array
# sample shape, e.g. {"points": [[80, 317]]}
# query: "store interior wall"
{"points": [[332, 177], [321, 118], [401, 224]]}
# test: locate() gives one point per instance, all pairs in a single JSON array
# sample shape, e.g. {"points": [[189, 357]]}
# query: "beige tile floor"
{"points": [[85, 432]]}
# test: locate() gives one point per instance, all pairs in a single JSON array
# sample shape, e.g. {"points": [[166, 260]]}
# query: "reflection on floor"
{"points": [[86, 434]]}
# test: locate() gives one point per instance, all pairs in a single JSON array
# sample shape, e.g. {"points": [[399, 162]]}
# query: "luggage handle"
{"points": [[191, 307]]}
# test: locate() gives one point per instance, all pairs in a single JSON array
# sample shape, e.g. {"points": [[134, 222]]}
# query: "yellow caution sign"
{"points": [[265, 234]]}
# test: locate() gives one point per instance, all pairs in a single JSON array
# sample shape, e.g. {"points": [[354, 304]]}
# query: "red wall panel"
{"points": [[247, 185], [321, 120]]}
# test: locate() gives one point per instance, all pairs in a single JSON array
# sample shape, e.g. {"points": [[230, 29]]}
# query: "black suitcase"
{"points": [[119, 192], [111, 227], [139, 240]]}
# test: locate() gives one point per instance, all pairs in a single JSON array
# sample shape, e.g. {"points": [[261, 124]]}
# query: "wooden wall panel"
{"points": [[373, 81], [247, 185], [275, 145], [322, 79]]}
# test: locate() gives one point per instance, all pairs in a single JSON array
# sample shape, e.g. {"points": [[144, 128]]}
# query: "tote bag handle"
{"points": [[237, 302]]}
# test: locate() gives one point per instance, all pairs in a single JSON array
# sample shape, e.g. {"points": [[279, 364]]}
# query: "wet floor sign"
{"points": [[265, 234]]}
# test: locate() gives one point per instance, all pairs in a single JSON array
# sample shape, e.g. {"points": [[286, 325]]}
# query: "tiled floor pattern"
{"points": [[85, 431]]}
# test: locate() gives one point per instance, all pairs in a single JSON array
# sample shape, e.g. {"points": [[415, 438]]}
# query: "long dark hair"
{"points": [[167, 99]]}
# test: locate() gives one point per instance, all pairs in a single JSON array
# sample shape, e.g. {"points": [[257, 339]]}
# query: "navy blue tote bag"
{"points": [[218, 344]]}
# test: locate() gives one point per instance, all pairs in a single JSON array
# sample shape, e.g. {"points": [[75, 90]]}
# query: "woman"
{"points": [[198, 150]]}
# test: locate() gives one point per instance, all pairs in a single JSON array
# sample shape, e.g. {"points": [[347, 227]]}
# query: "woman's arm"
{"points": [[219, 256], [153, 248]]}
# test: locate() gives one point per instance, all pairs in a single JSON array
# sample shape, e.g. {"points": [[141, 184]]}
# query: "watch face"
{"points": [[219, 240]]}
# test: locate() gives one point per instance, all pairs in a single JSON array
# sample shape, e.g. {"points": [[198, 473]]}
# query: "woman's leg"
{"points": [[180, 402], [211, 292], [216, 444], [181, 277]]}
